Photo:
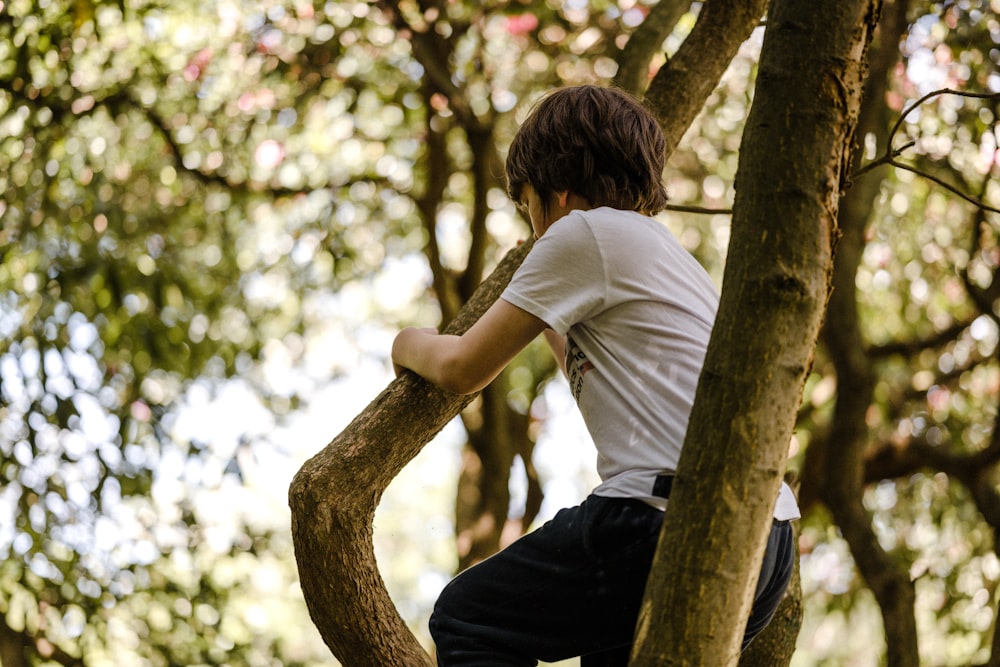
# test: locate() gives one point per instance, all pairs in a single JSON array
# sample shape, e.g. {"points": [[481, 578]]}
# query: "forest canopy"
{"points": [[216, 215]]}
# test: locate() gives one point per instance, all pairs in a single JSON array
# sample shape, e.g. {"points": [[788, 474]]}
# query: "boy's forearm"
{"points": [[438, 358], [467, 363]]}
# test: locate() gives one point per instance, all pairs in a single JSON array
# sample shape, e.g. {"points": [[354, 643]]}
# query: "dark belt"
{"points": [[661, 487]]}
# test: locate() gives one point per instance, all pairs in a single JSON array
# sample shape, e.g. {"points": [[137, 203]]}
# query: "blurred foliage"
{"points": [[211, 211]]}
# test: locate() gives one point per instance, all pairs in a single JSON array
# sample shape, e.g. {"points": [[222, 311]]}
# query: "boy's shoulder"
{"points": [[609, 224], [608, 217]]}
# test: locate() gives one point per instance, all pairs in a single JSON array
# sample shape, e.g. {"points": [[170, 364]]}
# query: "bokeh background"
{"points": [[216, 215]]}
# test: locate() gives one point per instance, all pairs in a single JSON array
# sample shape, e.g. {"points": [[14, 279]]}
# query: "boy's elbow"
{"points": [[458, 386], [456, 377], [456, 383]]}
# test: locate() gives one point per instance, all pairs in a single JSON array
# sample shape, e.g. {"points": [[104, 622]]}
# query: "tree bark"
{"points": [[792, 161], [775, 646]]}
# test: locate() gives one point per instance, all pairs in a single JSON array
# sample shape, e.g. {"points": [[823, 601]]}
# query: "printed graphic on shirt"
{"points": [[577, 365]]}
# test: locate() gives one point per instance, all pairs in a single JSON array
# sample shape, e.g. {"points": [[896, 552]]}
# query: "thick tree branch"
{"points": [[893, 460], [334, 495], [776, 644]]}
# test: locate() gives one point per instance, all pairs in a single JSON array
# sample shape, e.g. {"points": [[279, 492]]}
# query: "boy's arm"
{"points": [[467, 363]]}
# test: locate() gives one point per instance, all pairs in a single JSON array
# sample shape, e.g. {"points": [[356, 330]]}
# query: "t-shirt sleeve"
{"points": [[562, 281]]}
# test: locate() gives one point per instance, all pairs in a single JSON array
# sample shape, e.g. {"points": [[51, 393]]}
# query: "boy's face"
{"points": [[559, 204], [536, 211]]}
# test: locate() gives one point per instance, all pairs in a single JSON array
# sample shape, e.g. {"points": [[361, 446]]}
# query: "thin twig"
{"points": [[972, 200], [891, 154], [698, 209]]}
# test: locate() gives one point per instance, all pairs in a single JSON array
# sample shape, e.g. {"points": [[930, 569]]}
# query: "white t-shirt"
{"points": [[637, 310]]}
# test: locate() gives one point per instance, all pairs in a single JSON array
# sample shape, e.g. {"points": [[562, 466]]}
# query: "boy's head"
{"points": [[598, 143]]}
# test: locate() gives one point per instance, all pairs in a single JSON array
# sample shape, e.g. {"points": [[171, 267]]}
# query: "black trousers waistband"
{"points": [[661, 487]]}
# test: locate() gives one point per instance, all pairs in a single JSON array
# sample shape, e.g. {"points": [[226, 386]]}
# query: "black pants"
{"points": [[573, 588]]}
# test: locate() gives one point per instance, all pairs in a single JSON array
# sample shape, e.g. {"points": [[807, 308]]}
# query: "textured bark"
{"points": [[794, 154], [775, 646], [678, 91], [334, 495]]}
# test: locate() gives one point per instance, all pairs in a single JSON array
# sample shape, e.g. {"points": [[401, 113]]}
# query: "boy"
{"points": [[629, 313]]}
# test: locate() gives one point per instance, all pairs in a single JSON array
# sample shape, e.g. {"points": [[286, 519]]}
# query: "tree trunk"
{"points": [[647, 41], [794, 155], [775, 646], [483, 497]]}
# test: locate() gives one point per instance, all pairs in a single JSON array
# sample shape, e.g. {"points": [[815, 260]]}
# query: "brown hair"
{"points": [[599, 143]]}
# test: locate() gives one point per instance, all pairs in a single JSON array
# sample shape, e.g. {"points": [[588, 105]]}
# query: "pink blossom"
{"points": [[521, 24]]}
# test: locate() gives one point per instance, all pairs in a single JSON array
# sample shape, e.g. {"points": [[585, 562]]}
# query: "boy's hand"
{"points": [[401, 340]]}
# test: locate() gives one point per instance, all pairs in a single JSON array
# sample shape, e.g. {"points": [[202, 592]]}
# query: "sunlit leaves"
{"points": [[196, 191]]}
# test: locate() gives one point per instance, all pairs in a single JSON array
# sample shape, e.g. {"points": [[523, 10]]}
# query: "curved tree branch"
{"points": [[984, 298], [912, 347], [944, 184], [334, 495]]}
